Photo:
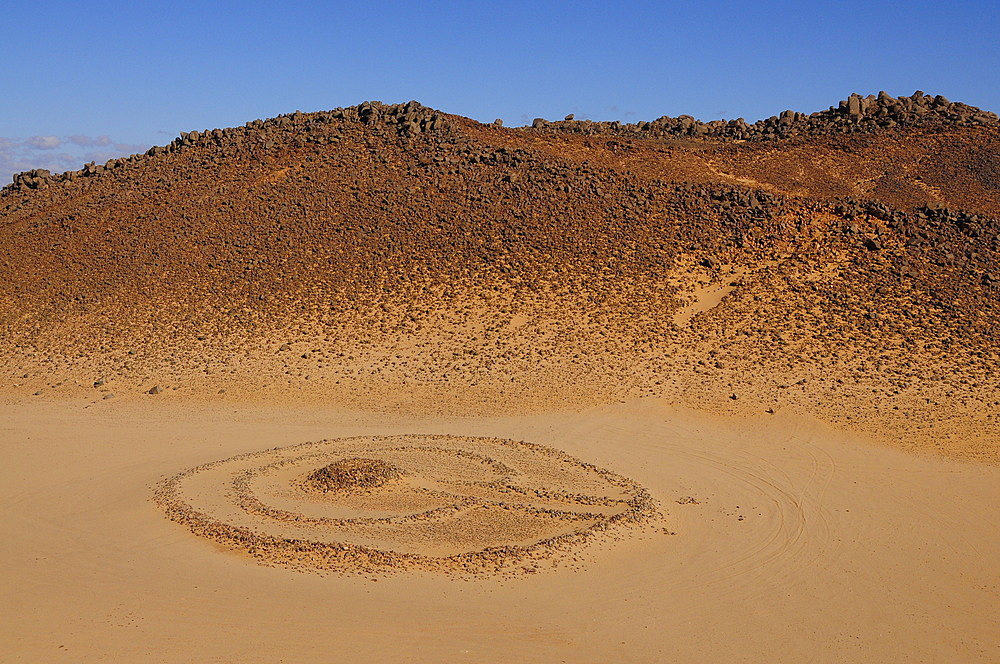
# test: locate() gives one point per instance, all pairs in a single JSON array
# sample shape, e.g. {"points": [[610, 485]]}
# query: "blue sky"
{"points": [[90, 80]]}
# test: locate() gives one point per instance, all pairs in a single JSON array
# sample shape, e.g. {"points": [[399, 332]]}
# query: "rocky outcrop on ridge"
{"points": [[407, 119], [854, 115]]}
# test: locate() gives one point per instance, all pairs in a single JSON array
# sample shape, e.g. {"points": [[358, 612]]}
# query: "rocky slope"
{"points": [[843, 263]]}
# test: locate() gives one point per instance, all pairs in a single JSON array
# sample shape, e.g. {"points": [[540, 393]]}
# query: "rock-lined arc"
{"points": [[379, 503]]}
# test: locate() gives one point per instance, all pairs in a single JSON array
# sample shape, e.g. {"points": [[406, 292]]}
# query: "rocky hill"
{"points": [[843, 263]]}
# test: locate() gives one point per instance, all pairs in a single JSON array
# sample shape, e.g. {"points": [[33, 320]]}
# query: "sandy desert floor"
{"points": [[781, 540]]}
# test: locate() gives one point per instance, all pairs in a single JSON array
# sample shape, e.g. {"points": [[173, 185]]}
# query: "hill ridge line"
{"points": [[855, 115]]}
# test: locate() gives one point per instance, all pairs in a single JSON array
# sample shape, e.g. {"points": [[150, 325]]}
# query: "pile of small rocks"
{"points": [[353, 474]]}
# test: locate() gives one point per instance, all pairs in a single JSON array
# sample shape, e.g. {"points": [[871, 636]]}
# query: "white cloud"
{"points": [[44, 142], [81, 140], [89, 141]]}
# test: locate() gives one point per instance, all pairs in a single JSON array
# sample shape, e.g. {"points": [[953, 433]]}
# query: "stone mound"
{"points": [[353, 474]]}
